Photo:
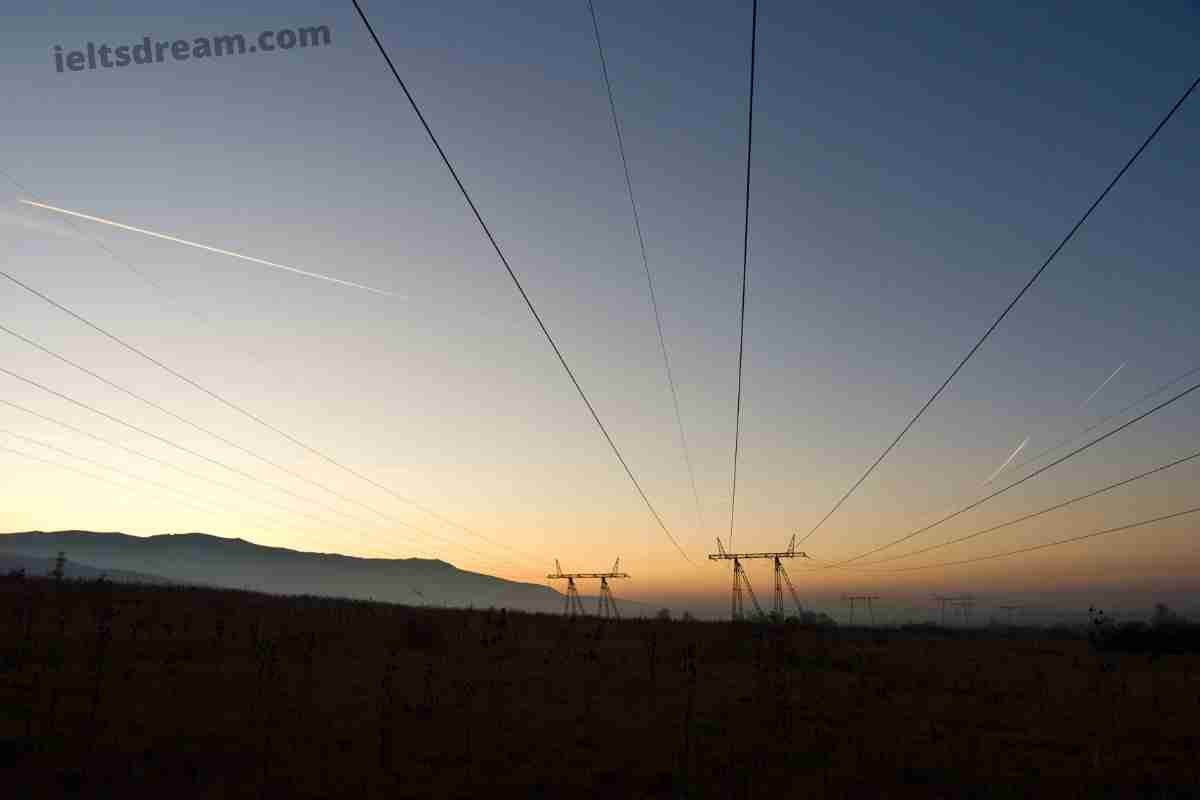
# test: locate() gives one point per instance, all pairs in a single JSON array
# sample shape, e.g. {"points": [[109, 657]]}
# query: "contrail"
{"points": [[209, 248], [1101, 386], [1021, 446], [1007, 461]]}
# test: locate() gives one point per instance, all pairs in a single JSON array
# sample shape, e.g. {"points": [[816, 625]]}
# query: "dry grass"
{"points": [[201, 693]]}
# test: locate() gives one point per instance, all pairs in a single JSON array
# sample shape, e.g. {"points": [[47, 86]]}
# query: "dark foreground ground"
{"points": [[111, 690]]}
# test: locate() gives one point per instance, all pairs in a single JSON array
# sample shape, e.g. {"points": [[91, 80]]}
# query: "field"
{"points": [[111, 689]]}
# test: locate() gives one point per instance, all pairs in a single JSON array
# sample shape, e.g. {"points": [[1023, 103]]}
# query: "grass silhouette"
{"points": [[136, 690]]}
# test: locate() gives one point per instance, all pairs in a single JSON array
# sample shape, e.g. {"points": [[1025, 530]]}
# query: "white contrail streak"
{"points": [[1007, 461], [219, 250], [1101, 386]]}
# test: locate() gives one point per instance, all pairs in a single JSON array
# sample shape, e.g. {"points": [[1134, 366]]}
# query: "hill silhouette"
{"points": [[226, 562]]}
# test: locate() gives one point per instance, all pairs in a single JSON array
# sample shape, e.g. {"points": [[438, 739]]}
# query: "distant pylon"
{"points": [[942, 600], [868, 598], [964, 603], [1011, 610], [607, 606]]}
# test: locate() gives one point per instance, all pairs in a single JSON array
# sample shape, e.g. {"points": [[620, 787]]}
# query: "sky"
{"points": [[911, 169]]}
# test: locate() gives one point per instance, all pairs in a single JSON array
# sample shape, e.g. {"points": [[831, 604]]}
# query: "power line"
{"points": [[85, 473], [166, 441], [1046, 545], [180, 418], [154, 285], [1035, 514], [637, 224], [1020, 481], [233, 406], [737, 425], [101, 478], [148, 457], [158, 289], [161, 486], [184, 449], [1012, 303], [219, 437], [516, 281], [1059, 445], [170, 465]]}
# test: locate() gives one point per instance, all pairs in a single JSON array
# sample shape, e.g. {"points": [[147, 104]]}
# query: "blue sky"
{"points": [[912, 167]]}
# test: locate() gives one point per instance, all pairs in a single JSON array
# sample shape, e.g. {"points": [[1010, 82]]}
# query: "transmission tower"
{"points": [[867, 598], [741, 580], [607, 606], [966, 604], [959, 601], [1011, 610]]}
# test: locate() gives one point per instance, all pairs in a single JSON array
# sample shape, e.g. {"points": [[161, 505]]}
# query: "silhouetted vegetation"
{"points": [[110, 689], [1167, 633]]}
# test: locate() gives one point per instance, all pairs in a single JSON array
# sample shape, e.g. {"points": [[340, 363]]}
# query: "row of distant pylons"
{"points": [[607, 605]]}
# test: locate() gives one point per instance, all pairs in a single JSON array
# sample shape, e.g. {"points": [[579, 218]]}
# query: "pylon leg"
{"points": [[736, 595], [573, 604], [791, 589], [753, 597], [778, 589], [607, 604]]}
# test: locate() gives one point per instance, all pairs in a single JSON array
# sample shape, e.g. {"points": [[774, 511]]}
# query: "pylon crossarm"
{"points": [[723, 556]]}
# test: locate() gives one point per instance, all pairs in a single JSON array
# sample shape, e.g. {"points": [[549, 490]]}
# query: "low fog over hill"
{"points": [[212, 560]]}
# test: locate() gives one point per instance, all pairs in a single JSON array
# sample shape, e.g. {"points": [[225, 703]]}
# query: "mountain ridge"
{"points": [[233, 562]]}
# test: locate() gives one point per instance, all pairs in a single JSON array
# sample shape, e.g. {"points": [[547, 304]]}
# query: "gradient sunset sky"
{"points": [[913, 165]]}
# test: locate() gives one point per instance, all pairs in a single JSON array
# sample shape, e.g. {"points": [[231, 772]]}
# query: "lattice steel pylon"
{"points": [[1011, 610], [742, 581], [867, 598], [607, 606], [962, 602], [966, 604]]}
